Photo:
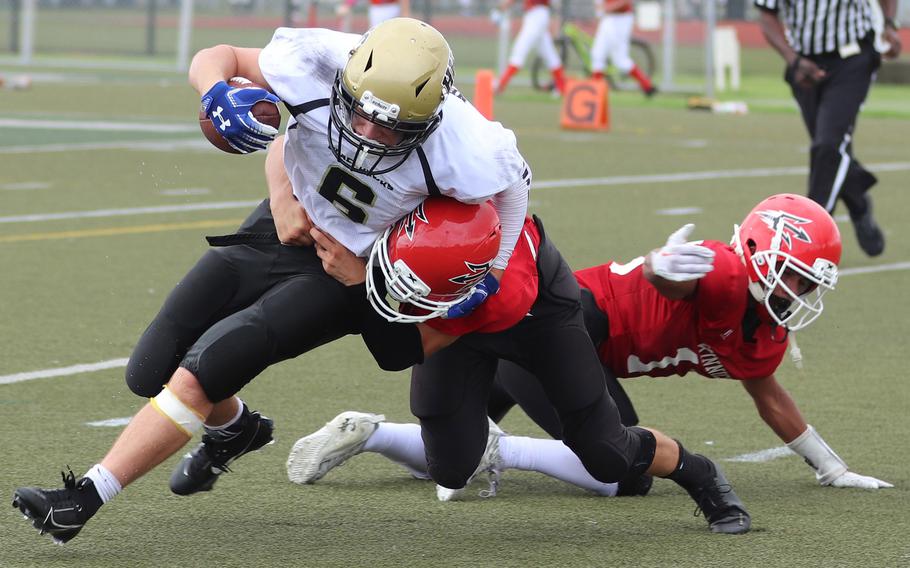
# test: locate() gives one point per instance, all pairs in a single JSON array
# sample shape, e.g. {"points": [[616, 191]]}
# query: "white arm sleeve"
{"points": [[827, 465], [512, 207]]}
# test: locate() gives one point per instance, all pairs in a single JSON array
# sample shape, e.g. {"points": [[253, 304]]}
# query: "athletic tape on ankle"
{"points": [[184, 418]]}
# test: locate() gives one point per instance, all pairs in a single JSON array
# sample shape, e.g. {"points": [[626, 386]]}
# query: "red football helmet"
{"points": [[432, 257], [783, 236]]}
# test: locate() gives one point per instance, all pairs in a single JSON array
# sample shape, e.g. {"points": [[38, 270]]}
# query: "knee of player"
{"points": [[450, 478], [183, 402], [142, 378]]}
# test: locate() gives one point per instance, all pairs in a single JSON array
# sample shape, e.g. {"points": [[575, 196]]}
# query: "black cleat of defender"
{"points": [[60, 513], [199, 469], [723, 510]]}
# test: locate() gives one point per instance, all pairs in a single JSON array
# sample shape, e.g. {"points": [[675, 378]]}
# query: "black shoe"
{"points": [[723, 510], [61, 513], [868, 233], [199, 469], [638, 485], [650, 91]]}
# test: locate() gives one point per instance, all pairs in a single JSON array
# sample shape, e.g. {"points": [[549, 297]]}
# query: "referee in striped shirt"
{"points": [[829, 47]]}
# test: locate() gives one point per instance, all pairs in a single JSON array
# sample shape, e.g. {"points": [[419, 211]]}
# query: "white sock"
{"points": [[106, 484], [402, 444], [229, 423], [550, 457]]}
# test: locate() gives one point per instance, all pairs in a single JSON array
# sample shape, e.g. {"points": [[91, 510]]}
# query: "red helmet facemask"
{"points": [[433, 257], [788, 238]]}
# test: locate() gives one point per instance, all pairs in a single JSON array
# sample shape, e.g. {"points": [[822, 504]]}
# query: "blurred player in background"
{"points": [[534, 33], [378, 11], [611, 42], [721, 311], [363, 147], [829, 48], [536, 320]]}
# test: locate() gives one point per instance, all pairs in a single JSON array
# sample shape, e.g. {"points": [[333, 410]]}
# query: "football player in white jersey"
{"points": [[376, 126]]}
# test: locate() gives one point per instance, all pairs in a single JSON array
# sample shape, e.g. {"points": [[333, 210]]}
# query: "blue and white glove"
{"points": [[229, 109], [680, 260], [478, 295]]}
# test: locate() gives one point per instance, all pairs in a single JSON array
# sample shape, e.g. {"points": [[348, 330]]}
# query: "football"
{"points": [[263, 111]]}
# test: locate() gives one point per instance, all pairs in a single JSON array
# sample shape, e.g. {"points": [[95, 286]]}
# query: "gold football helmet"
{"points": [[397, 78]]}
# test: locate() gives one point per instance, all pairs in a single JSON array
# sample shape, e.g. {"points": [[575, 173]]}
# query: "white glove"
{"points": [[850, 479], [680, 260]]}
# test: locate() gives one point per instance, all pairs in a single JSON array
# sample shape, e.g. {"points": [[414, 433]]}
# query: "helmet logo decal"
{"points": [[476, 274], [788, 225], [374, 106], [409, 222]]}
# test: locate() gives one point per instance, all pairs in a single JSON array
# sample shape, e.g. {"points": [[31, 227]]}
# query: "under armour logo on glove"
{"points": [[478, 295], [229, 109], [680, 260]]}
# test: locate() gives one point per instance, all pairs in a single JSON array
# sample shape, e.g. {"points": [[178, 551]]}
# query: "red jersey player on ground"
{"points": [[435, 258], [722, 311], [534, 33], [611, 41]]}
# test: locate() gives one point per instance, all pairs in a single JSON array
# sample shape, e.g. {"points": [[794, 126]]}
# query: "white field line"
{"points": [[700, 176], [99, 125], [762, 455], [62, 371], [199, 145], [547, 184], [130, 211], [114, 363], [25, 186], [110, 422]]}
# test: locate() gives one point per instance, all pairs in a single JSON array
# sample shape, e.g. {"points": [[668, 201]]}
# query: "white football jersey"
{"points": [[467, 157]]}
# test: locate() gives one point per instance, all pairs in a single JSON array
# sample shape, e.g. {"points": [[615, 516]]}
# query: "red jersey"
{"points": [[528, 4], [658, 337], [518, 290], [617, 6]]}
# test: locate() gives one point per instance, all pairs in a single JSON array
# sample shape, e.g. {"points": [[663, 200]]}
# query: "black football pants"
{"points": [[240, 309], [450, 390]]}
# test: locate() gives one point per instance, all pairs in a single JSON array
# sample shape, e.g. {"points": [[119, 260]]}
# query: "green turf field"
{"points": [[79, 287]]}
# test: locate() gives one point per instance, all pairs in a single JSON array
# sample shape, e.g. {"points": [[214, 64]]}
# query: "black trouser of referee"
{"points": [[829, 110], [240, 309], [449, 391]]}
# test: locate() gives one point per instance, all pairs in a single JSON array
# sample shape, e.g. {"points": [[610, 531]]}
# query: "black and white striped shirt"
{"points": [[822, 26]]}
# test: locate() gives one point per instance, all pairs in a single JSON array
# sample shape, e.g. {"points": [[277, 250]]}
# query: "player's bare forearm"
{"points": [[668, 288], [433, 340], [774, 33], [291, 220], [222, 62], [776, 407]]}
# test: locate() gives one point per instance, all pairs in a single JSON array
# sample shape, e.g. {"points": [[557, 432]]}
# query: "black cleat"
{"points": [[199, 469], [868, 233], [650, 91], [61, 513], [723, 510], [639, 485]]}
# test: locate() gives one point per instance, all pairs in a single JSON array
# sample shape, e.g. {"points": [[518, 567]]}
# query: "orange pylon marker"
{"points": [[585, 105], [483, 92]]}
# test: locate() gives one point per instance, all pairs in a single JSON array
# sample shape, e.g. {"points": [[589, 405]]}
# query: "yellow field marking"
{"points": [[112, 231]]}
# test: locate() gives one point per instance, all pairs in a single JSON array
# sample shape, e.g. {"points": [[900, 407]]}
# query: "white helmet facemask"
{"points": [[792, 310], [402, 284]]}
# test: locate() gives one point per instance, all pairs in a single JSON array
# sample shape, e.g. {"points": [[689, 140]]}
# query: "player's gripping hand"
{"points": [[478, 295], [229, 109], [851, 479], [680, 260]]}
